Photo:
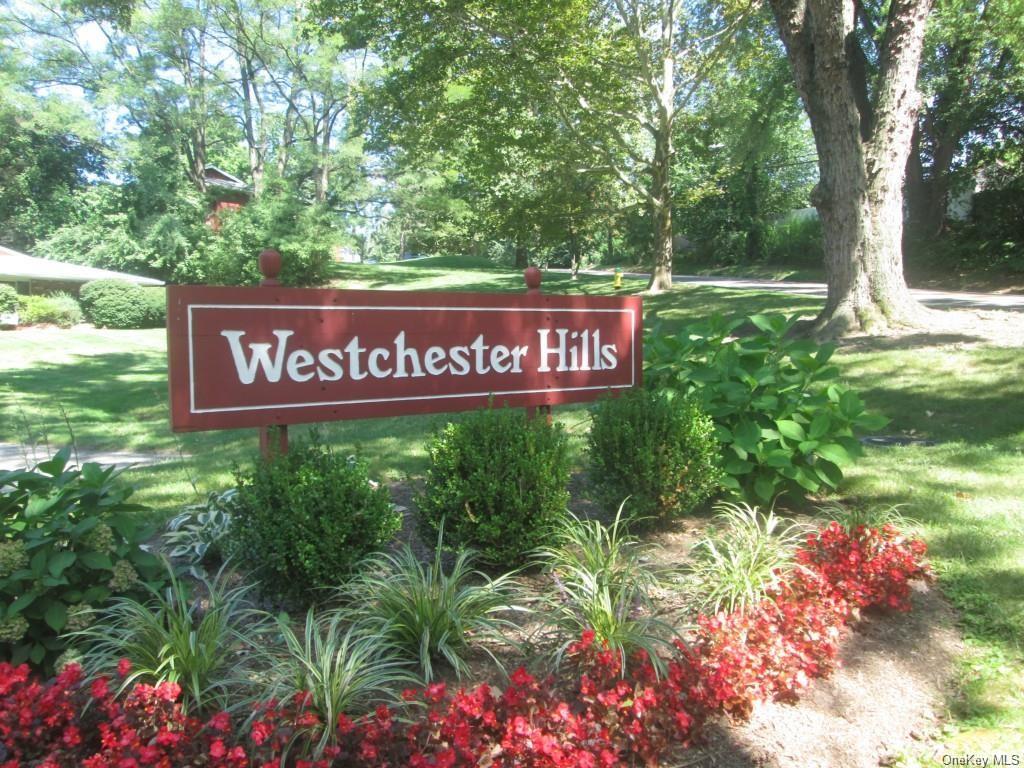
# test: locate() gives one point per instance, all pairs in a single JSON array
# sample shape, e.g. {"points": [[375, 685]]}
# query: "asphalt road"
{"points": [[934, 299]]}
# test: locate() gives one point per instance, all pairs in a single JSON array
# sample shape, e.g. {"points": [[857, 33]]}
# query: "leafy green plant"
{"points": [[69, 540], [497, 480], [735, 567], [112, 303], [601, 582], [427, 614], [58, 309], [201, 641], [8, 299], [784, 422], [199, 533], [303, 520], [662, 454], [343, 669]]}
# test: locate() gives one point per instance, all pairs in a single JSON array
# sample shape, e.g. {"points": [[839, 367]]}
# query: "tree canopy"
{"points": [[654, 133]]}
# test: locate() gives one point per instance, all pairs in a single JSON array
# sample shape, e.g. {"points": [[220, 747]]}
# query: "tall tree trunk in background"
{"points": [[752, 212], [574, 252], [661, 173], [287, 137], [254, 139], [522, 254], [863, 137], [610, 245]]}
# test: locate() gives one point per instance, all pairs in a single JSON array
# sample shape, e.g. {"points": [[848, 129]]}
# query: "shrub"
{"points": [[303, 234], [58, 309], [660, 453], [199, 643], [8, 299], [303, 520], [795, 240], [427, 614], [69, 540], [602, 585], [497, 480], [784, 423], [154, 300], [739, 565], [112, 303]]}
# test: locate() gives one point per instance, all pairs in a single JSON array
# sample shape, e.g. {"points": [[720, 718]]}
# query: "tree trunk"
{"points": [[752, 213], [610, 246], [863, 140], [661, 213], [522, 254], [574, 253]]}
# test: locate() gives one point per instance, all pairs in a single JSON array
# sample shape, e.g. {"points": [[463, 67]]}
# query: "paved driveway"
{"points": [[935, 299]]}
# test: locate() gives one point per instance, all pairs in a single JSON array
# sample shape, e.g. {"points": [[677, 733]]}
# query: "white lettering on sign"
{"points": [[561, 350]]}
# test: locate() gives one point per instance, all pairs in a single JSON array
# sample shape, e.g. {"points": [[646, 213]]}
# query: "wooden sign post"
{"points": [[272, 356]]}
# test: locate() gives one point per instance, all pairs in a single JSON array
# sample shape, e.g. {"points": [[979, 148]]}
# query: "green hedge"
{"points": [[497, 483], [304, 520], [659, 452], [120, 304]]}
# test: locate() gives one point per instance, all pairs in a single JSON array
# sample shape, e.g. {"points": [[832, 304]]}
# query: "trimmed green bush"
{"points": [[155, 302], [660, 452], [8, 299], [120, 304], [56, 309], [497, 482], [302, 521]]}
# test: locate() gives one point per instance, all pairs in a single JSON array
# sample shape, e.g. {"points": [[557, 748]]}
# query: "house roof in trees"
{"points": [[217, 177], [20, 267]]}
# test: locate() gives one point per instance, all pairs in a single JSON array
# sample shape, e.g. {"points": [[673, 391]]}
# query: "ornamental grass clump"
{"points": [[430, 615], [601, 583], [334, 667], [200, 641], [736, 567]]}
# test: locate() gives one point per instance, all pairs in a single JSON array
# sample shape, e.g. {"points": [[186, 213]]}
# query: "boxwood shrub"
{"points": [[112, 303], [660, 452], [497, 482], [303, 520]]}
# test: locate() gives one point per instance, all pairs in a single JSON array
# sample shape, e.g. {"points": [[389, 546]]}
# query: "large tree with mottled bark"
{"points": [[855, 66]]}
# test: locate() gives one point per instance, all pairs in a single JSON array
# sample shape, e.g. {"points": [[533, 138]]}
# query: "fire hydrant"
{"points": [[617, 279]]}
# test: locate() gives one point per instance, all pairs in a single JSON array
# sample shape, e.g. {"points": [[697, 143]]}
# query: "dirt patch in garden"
{"points": [[887, 694]]}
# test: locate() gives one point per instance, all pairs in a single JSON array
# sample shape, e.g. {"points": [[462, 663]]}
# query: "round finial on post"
{"points": [[270, 266], [532, 275]]}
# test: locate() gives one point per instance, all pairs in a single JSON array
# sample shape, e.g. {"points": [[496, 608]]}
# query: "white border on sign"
{"points": [[191, 356]]}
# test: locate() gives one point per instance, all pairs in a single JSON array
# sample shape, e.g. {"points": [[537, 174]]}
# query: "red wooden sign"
{"points": [[243, 357]]}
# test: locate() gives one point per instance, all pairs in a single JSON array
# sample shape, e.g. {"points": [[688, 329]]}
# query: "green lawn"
{"points": [[967, 491]]}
